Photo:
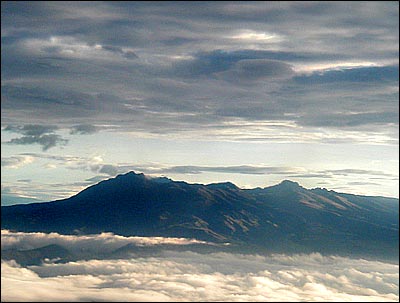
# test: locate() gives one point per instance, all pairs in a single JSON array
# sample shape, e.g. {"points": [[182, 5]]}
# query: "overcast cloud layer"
{"points": [[190, 276], [172, 67]]}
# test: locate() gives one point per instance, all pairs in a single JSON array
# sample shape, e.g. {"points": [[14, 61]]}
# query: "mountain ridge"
{"points": [[283, 217], [163, 179]]}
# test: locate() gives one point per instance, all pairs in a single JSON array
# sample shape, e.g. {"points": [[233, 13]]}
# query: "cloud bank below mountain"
{"points": [[190, 276]]}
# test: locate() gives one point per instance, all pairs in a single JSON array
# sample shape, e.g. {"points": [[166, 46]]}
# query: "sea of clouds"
{"points": [[190, 276]]}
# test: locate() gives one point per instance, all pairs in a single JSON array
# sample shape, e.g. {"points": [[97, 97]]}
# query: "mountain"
{"points": [[52, 252], [281, 218], [8, 199], [131, 250]]}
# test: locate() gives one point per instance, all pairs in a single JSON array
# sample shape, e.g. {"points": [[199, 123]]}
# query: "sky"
{"points": [[248, 92]]}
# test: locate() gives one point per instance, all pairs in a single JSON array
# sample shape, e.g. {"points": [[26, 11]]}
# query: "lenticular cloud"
{"points": [[191, 276]]}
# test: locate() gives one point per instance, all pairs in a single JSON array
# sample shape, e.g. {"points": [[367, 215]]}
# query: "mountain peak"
{"points": [[287, 185], [291, 184], [222, 185], [131, 174]]}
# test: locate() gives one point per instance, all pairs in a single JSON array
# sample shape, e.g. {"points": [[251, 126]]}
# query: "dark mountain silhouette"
{"points": [[281, 218], [52, 252]]}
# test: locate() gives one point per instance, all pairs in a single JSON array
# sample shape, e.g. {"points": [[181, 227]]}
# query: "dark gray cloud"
{"points": [[345, 172], [31, 130], [114, 169], [65, 159], [135, 22], [320, 175], [120, 51], [208, 63], [185, 73], [83, 129], [36, 134], [361, 74], [363, 183], [109, 169], [96, 165], [25, 180], [284, 172], [257, 69], [240, 169], [96, 179], [53, 165], [12, 199], [10, 196], [350, 120], [47, 141]]}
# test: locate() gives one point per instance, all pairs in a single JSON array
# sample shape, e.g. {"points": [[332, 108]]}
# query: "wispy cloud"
{"points": [[96, 169], [16, 161]]}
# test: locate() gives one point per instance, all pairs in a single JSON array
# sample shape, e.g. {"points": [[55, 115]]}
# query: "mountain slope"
{"points": [[38, 255], [285, 217]]}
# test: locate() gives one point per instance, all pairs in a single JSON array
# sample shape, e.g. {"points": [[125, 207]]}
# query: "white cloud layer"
{"points": [[103, 243], [190, 276]]}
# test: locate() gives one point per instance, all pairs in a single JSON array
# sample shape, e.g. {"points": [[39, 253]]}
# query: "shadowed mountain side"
{"points": [[51, 253], [281, 218]]}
